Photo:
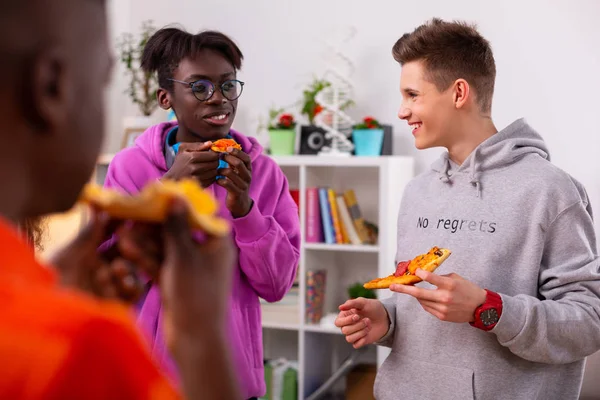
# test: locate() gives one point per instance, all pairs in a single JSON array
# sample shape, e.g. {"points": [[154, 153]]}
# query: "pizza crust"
{"points": [[411, 279], [384, 283]]}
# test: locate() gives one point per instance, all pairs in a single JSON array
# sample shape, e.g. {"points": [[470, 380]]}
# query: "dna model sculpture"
{"points": [[334, 98]]}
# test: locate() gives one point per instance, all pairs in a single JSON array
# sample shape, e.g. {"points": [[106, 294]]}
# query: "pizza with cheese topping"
{"points": [[405, 270]]}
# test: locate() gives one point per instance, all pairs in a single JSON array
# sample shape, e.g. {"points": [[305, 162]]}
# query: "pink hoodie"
{"points": [[268, 241]]}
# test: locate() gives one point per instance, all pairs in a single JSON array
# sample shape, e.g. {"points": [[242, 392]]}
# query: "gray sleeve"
{"points": [[562, 324], [390, 307]]}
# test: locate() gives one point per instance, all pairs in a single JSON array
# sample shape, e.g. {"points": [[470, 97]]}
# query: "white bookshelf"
{"points": [[378, 183]]}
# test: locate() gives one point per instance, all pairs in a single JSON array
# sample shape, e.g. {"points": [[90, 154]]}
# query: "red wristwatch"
{"points": [[488, 314]]}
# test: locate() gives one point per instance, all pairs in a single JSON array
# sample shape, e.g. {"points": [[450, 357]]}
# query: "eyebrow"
{"points": [[199, 76], [408, 90]]}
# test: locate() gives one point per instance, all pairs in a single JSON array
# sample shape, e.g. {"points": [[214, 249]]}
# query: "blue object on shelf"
{"points": [[367, 142]]}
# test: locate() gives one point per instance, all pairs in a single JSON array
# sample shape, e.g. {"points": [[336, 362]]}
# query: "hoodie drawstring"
{"points": [[474, 176], [445, 177]]}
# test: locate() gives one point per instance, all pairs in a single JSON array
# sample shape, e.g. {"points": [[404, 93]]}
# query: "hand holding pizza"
{"points": [[81, 266], [454, 300], [194, 159], [236, 179]]}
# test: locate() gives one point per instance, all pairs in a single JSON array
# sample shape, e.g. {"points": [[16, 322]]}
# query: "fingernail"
{"points": [[229, 149], [355, 317]]}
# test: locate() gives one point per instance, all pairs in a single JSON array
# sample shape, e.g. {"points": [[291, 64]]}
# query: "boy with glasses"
{"points": [[197, 76]]}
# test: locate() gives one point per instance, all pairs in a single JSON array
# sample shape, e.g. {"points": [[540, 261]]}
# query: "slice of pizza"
{"points": [[405, 270], [221, 145], [152, 204]]}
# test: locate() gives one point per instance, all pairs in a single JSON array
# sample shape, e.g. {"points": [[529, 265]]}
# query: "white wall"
{"points": [[547, 54]]}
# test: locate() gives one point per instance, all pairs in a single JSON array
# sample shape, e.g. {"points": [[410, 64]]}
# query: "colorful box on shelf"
{"points": [[315, 295]]}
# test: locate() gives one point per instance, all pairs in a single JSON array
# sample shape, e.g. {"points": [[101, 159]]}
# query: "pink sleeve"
{"points": [[269, 247]]}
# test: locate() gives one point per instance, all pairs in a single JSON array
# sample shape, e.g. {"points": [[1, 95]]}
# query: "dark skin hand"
{"points": [[195, 159], [194, 281], [237, 182], [141, 243], [108, 276]]}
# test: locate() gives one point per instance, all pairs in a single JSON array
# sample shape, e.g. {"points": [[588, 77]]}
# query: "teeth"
{"points": [[415, 126], [219, 117]]}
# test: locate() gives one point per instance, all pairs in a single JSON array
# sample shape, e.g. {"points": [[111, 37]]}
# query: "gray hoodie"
{"points": [[519, 226]]}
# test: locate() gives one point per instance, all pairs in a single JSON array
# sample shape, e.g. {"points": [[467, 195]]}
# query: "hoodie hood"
{"points": [[504, 148], [152, 143]]}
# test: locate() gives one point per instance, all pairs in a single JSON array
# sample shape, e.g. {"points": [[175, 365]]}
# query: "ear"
{"points": [[164, 98], [461, 93], [46, 91]]}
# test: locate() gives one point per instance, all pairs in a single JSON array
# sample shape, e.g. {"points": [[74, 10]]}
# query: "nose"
{"points": [[404, 113], [217, 98]]}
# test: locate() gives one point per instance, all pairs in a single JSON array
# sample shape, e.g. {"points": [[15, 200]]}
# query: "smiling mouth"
{"points": [[415, 126], [217, 119]]}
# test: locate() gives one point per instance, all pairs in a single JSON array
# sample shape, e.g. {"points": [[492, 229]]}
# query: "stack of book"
{"points": [[335, 218]]}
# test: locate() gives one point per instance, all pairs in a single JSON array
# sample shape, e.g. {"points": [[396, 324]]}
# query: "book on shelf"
{"points": [[356, 215], [314, 225], [296, 197], [325, 214], [334, 218]]}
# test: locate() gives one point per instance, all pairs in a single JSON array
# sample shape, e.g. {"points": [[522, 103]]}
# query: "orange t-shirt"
{"points": [[61, 344]]}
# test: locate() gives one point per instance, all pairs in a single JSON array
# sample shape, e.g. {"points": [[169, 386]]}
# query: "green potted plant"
{"points": [[310, 107], [358, 290], [142, 86], [367, 137], [282, 133]]}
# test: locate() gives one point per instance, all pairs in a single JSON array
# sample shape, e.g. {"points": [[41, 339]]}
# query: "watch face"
{"points": [[489, 316]]}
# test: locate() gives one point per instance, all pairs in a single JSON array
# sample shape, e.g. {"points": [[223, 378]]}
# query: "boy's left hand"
{"points": [[454, 300], [237, 180]]}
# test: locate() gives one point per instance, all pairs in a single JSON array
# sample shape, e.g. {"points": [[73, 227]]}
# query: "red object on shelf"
{"points": [[296, 196]]}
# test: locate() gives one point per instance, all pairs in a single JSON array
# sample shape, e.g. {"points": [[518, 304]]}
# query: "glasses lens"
{"points": [[231, 89], [203, 90]]}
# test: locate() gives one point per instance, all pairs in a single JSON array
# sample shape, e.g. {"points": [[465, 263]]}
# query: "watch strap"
{"points": [[492, 301]]}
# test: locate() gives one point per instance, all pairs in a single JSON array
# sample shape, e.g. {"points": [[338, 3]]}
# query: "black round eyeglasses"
{"points": [[204, 89]]}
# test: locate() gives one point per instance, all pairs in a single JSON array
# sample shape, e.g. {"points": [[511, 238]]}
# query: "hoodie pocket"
{"points": [[400, 377], [253, 323]]}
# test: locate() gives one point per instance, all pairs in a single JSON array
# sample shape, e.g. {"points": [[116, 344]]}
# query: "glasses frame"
{"points": [[212, 85]]}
